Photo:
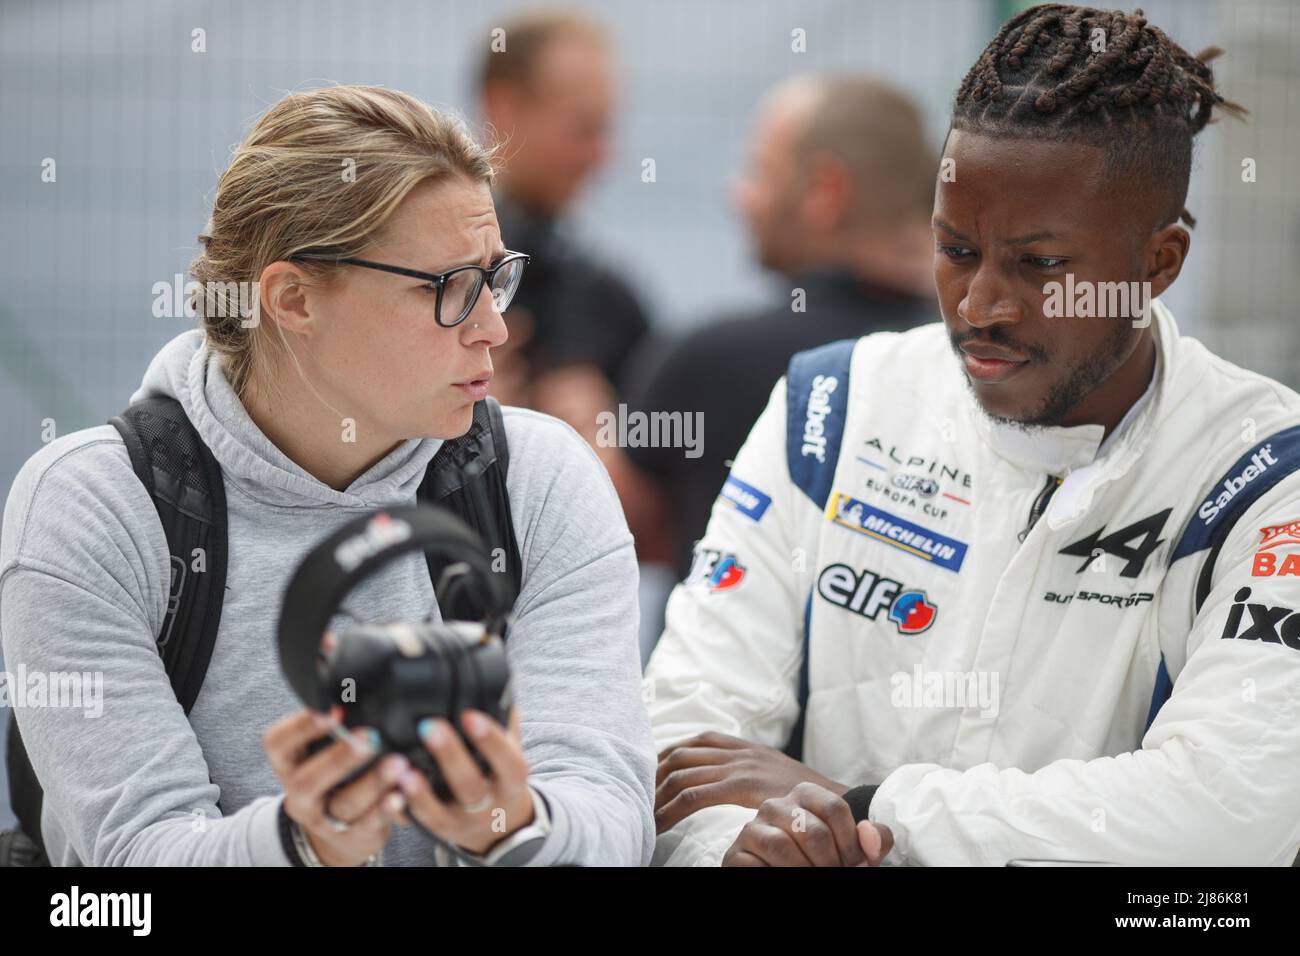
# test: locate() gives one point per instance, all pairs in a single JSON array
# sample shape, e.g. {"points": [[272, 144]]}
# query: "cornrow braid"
{"points": [[1106, 78]]}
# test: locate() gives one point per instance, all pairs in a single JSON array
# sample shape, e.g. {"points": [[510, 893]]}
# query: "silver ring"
{"points": [[478, 806], [333, 822]]}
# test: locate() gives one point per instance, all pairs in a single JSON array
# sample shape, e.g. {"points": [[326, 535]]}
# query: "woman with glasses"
{"points": [[363, 221]]}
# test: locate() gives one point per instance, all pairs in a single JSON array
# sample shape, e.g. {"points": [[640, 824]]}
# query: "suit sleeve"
{"points": [[732, 648], [1216, 780]]}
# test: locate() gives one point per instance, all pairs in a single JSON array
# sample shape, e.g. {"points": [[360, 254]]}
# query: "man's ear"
{"points": [[283, 297], [828, 198], [1163, 258], [500, 104]]}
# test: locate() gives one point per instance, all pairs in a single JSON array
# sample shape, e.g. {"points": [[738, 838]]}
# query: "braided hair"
{"points": [[1104, 78]]}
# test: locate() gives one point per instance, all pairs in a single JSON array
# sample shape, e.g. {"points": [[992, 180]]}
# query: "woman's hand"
{"points": [[370, 805], [484, 809]]}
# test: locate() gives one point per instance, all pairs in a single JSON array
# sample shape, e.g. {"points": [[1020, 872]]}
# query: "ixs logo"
{"points": [[381, 531], [1259, 463], [1273, 625], [718, 570], [1132, 545], [746, 499], [848, 512], [867, 594], [814, 426]]}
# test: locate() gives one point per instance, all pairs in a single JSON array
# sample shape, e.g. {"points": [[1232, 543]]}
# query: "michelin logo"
{"points": [[814, 426], [848, 512], [746, 499], [1259, 463]]}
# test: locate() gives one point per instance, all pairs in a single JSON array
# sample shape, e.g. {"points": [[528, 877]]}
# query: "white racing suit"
{"points": [[1107, 673]]}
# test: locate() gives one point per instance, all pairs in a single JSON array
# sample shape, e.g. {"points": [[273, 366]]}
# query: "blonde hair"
{"points": [[320, 173]]}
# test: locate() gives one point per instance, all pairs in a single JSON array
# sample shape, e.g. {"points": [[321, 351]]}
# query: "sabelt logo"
{"points": [[1259, 463], [380, 532], [814, 426]]}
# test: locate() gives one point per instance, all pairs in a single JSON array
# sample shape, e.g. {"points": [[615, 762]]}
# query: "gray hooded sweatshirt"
{"points": [[84, 573]]}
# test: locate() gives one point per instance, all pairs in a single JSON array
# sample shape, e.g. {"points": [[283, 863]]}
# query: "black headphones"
{"points": [[401, 672]]}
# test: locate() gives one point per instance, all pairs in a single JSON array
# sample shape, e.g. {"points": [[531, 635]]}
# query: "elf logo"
{"points": [[1273, 625], [867, 594]]}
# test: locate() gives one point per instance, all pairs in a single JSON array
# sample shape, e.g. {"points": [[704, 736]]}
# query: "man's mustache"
{"points": [[996, 337]]}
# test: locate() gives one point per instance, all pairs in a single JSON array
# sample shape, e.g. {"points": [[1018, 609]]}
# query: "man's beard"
{"points": [[1067, 392]]}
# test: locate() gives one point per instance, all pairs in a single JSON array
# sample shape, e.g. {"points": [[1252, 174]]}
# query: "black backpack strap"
{"points": [[468, 477], [185, 483]]}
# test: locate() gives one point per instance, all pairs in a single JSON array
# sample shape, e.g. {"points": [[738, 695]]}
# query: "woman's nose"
{"points": [[485, 324]]}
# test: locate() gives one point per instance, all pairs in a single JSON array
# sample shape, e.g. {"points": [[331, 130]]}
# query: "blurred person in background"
{"points": [[548, 98], [837, 199]]}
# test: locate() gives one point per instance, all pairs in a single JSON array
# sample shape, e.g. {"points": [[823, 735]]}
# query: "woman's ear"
{"points": [[284, 299], [1165, 254]]}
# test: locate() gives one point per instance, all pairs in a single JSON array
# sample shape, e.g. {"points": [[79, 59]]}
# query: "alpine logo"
{"points": [[719, 571], [819, 406], [1273, 625], [1121, 544], [867, 594]]}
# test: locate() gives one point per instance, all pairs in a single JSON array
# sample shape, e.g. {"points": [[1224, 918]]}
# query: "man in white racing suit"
{"points": [[1028, 585]]}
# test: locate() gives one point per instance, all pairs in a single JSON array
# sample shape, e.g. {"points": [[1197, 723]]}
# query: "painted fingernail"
{"points": [[434, 731], [366, 740], [393, 768], [408, 782], [474, 723], [394, 803]]}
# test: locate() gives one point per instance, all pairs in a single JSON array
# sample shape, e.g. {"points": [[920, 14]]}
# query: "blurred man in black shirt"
{"points": [[837, 197], [548, 95]]}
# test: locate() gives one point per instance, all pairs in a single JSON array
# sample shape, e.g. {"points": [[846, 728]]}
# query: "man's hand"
{"points": [[712, 769], [810, 826]]}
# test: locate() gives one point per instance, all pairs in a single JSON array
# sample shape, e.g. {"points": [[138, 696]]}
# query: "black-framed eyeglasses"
{"points": [[460, 286]]}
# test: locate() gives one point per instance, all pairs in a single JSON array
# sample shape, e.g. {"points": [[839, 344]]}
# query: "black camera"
{"points": [[392, 675]]}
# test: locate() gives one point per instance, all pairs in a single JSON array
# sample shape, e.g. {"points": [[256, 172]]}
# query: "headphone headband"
{"points": [[356, 551]]}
